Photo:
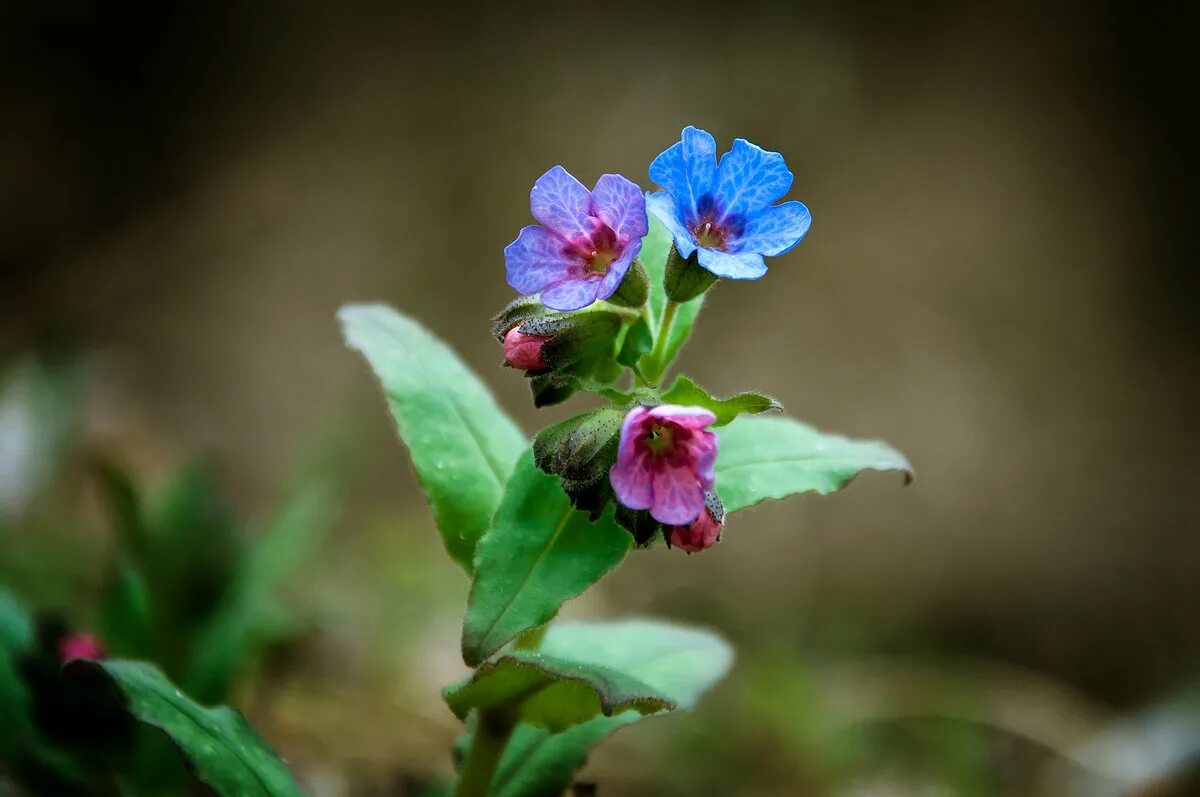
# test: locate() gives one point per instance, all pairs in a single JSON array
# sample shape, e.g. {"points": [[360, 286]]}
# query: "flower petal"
{"points": [[570, 294], [686, 416], [774, 230], [537, 259], [664, 209], [687, 169], [619, 203], [750, 178], [678, 498], [630, 477], [560, 202], [617, 269], [733, 266]]}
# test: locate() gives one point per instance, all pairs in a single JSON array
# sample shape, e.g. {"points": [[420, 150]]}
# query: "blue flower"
{"points": [[586, 243], [724, 212]]}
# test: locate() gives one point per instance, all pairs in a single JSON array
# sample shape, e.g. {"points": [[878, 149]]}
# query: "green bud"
{"points": [[518, 311], [685, 279], [634, 288], [581, 451]]}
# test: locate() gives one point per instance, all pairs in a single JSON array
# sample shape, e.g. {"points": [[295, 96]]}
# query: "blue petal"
{"points": [[560, 202], [687, 169], [536, 259], [617, 269], [733, 266], [664, 209], [619, 203], [571, 294], [774, 230], [749, 179]]}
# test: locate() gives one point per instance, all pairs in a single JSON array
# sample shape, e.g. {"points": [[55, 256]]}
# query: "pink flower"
{"points": [[703, 532], [524, 351], [79, 646], [665, 462]]}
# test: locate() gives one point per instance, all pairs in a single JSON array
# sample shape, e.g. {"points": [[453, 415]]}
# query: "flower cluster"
{"points": [[587, 317]]}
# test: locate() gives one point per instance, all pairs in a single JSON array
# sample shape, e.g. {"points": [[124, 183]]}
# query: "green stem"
{"points": [[657, 367], [492, 732]]}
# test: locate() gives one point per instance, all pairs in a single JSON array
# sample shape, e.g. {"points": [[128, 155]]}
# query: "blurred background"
{"points": [[998, 281]]}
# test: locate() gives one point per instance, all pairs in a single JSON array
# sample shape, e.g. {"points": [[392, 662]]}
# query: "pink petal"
{"points": [[678, 498]]}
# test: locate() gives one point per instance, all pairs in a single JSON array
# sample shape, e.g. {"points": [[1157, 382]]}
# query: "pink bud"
{"points": [[79, 646], [524, 351], [701, 533]]}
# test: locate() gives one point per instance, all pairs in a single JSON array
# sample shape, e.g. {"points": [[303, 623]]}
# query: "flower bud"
{"points": [[634, 288], [524, 351], [685, 278], [580, 451], [79, 646], [702, 532]]}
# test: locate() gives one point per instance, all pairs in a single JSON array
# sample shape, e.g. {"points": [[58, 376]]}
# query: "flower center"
{"points": [[709, 235], [597, 251], [660, 440]]}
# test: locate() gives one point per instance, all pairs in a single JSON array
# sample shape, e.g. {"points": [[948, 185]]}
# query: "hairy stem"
{"points": [[492, 732], [657, 367]]}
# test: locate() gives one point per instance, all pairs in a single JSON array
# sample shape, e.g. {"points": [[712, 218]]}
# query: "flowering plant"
{"points": [[612, 282]]}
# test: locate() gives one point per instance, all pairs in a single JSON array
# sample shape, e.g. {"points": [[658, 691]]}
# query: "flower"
{"points": [[701, 533], [79, 646], [586, 241], [524, 351], [724, 212], [665, 461]]}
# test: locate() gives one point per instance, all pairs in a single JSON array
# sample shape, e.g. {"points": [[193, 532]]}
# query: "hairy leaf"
{"points": [[462, 444], [686, 392], [679, 663], [538, 553], [764, 458]]}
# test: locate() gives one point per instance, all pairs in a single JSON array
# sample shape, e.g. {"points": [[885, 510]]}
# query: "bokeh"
{"points": [[998, 281]]}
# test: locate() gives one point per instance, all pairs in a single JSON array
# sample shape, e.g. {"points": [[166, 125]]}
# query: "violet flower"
{"points": [[586, 241], [665, 462]]}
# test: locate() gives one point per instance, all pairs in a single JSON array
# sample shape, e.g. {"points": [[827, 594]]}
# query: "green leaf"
{"points": [[686, 392], [462, 444], [583, 669], [551, 692], [638, 341], [680, 664], [223, 750], [538, 763], [765, 458], [655, 247], [248, 613], [539, 553]]}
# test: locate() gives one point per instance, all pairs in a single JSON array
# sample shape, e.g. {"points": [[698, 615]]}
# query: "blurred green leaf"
{"points": [[462, 444], [125, 510], [125, 622], [584, 669], [538, 553], [16, 637], [764, 458], [223, 750], [248, 614], [686, 392]]}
